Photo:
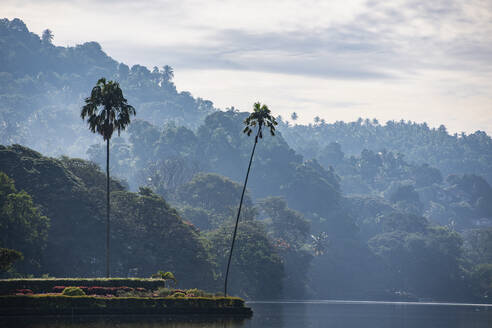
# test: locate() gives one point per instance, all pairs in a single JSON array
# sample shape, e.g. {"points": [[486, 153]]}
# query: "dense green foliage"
{"points": [[289, 232], [341, 210], [22, 227], [256, 270], [148, 234], [42, 85], [8, 257], [451, 154]]}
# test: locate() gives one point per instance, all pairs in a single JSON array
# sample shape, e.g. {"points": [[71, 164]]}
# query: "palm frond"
{"points": [[106, 109]]}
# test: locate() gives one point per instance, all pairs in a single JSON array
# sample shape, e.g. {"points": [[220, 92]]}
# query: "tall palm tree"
{"points": [[260, 117], [107, 110]]}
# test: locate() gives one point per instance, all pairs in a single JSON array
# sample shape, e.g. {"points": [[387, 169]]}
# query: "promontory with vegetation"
{"points": [[333, 210]]}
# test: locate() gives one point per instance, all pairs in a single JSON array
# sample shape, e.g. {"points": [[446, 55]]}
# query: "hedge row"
{"points": [[100, 290], [78, 305], [46, 285]]}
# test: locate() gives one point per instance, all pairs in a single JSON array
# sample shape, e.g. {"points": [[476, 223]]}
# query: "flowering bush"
{"points": [[96, 290], [73, 291]]}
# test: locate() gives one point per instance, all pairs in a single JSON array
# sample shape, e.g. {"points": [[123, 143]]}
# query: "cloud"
{"points": [[380, 42], [349, 40], [412, 59], [325, 55]]}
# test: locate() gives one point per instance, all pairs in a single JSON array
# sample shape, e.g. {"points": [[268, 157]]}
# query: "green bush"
{"points": [[198, 292], [164, 291], [179, 294], [73, 291]]}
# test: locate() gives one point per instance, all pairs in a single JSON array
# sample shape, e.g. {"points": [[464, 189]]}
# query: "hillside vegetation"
{"points": [[342, 210]]}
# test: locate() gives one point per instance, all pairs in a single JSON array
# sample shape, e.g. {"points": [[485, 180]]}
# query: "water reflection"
{"points": [[326, 314], [121, 322]]}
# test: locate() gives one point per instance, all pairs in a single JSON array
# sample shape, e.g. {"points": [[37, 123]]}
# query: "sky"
{"points": [[340, 60]]}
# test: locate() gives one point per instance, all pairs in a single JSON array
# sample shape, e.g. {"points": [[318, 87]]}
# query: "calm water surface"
{"points": [[346, 314], [312, 314]]}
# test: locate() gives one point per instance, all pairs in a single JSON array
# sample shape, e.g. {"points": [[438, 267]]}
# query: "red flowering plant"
{"points": [[23, 292], [103, 291], [281, 244]]}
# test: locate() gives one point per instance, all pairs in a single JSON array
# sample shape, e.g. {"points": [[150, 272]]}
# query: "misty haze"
{"points": [[246, 176]]}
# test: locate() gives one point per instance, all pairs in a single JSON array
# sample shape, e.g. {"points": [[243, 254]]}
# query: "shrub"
{"points": [[97, 290], [163, 292], [179, 294], [165, 276], [73, 291], [195, 292]]}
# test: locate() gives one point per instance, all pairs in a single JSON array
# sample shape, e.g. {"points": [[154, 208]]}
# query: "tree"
{"points": [[294, 116], [22, 227], [151, 235], [168, 73], [258, 269], [107, 110], [165, 276], [285, 224], [320, 243], [165, 176], [8, 257], [212, 192], [47, 36], [289, 231], [259, 117]]}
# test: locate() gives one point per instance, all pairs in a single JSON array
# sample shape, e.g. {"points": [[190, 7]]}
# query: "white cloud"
{"points": [[412, 59]]}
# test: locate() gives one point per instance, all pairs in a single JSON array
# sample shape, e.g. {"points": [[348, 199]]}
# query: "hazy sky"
{"points": [[417, 60]]}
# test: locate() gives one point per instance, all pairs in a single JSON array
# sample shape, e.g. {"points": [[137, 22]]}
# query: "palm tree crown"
{"points": [[260, 116], [106, 109]]}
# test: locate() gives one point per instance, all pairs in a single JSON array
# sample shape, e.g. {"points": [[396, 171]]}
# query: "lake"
{"points": [[312, 314]]}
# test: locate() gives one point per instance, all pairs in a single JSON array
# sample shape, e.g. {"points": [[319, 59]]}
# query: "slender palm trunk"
{"points": [[107, 208], [239, 211]]}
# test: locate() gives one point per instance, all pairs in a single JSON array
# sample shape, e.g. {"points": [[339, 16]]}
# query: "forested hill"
{"points": [[342, 210], [42, 87], [418, 143]]}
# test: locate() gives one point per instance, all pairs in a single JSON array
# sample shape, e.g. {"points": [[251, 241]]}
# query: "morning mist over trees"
{"points": [[360, 209]]}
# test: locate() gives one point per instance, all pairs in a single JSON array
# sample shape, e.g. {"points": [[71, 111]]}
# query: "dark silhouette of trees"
{"points": [[260, 117], [168, 73], [23, 228], [47, 36], [107, 110], [8, 257]]}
